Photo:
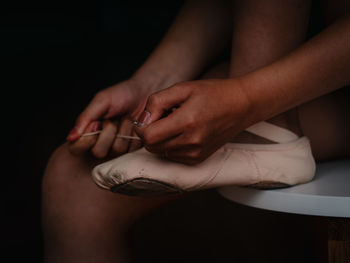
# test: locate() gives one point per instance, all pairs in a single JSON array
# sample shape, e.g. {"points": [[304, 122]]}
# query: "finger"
{"points": [[173, 143], [190, 156], [83, 144], [121, 145], [94, 111], [163, 129], [105, 140], [162, 102], [134, 144]]}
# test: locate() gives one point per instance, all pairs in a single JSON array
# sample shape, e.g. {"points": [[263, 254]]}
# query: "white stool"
{"points": [[327, 196]]}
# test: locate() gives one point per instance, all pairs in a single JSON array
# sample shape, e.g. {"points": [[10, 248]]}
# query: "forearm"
{"points": [[318, 67], [199, 33]]}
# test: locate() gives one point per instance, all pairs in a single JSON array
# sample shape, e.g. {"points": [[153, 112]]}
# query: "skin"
{"points": [[83, 223], [180, 56], [200, 126]]}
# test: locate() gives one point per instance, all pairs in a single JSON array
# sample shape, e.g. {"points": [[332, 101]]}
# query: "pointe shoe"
{"points": [[287, 163]]}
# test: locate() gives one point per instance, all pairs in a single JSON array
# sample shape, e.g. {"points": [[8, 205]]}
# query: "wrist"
{"points": [[247, 101], [268, 92], [147, 84], [143, 84], [152, 80]]}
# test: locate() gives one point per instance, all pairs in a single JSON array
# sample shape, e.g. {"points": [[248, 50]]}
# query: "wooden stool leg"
{"points": [[338, 240]]}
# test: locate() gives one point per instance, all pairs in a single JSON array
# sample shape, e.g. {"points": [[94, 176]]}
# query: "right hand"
{"points": [[116, 107]]}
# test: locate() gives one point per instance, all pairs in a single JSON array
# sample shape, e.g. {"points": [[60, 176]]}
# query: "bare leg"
{"points": [[263, 31], [326, 120], [83, 223]]}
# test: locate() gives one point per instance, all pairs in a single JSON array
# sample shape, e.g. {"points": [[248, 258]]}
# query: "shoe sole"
{"points": [[149, 187], [145, 187]]}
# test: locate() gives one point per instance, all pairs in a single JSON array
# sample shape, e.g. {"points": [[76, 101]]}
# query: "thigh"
{"points": [[70, 194]]}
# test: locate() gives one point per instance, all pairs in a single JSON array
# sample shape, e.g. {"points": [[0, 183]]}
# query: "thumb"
{"points": [[161, 104]]}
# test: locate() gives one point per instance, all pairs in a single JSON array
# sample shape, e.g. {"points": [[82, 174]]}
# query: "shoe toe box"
{"points": [[102, 177]]}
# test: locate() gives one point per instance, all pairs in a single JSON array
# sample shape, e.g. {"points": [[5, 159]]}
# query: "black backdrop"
{"points": [[54, 58]]}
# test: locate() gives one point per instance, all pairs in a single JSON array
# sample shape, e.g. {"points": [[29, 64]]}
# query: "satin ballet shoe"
{"points": [[286, 163]]}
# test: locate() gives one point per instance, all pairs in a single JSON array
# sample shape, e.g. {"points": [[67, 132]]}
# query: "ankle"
{"points": [[288, 120]]}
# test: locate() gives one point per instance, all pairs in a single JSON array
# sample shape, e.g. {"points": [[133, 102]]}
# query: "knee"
{"points": [[56, 167], [62, 169]]}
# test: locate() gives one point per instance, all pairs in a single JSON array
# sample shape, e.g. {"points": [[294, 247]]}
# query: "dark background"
{"points": [[55, 58]]}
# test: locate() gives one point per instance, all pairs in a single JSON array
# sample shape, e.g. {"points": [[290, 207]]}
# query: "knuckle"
{"points": [[190, 122], [194, 139], [154, 100]]}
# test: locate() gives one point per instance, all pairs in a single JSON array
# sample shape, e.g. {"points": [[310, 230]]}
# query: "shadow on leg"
{"points": [[326, 122], [84, 223], [81, 222]]}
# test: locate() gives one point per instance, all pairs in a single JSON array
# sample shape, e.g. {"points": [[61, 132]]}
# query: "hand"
{"points": [[208, 113], [113, 110]]}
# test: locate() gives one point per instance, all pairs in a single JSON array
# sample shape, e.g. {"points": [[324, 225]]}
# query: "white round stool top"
{"points": [[328, 194]]}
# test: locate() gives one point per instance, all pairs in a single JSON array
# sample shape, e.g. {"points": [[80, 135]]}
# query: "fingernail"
{"points": [[73, 134], [143, 119]]}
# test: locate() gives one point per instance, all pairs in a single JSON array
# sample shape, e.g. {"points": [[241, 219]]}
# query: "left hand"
{"points": [[208, 113]]}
